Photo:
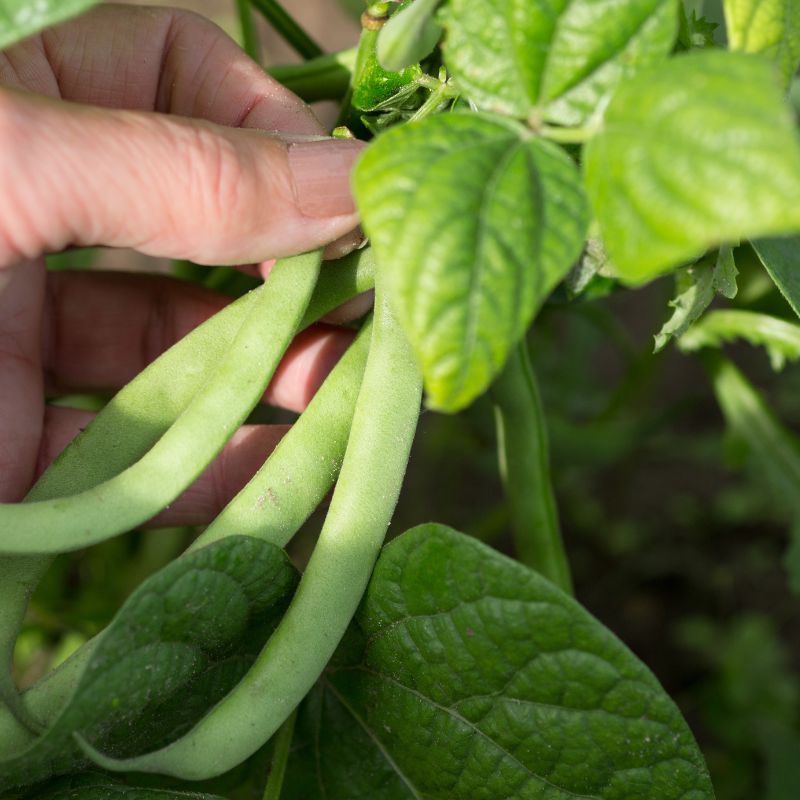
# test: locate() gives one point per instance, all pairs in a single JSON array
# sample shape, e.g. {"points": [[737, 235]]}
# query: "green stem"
{"points": [[525, 468], [326, 77], [333, 583], [251, 41], [286, 26], [566, 135], [280, 757]]}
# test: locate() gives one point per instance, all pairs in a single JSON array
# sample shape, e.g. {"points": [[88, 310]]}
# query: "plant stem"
{"points": [[286, 26], [566, 135], [251, 41], [326, 77], [280, 757], [525, 469]]}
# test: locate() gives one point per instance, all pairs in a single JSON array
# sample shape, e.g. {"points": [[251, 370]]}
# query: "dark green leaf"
{"points": [[771, 27], [178, 645], [696, 153], [21, 18], [781, 258], [90, 786], [473, 221], [482, 681], [549, 59], [774, 450]]}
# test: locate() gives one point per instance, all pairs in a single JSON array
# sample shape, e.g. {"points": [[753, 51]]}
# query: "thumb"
{"points": [[166, 186]]}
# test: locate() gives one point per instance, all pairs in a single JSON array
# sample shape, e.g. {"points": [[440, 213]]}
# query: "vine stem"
{"points": [[250, 38], [566, 135], [286, 26], [524, 457], [326, 77], [280, 758]]}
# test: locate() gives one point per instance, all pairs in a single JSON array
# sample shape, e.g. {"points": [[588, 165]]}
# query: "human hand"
{"points": [[85, 161]]}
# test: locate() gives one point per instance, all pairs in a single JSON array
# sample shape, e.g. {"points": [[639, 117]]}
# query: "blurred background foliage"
{"points": [[676, 541]]}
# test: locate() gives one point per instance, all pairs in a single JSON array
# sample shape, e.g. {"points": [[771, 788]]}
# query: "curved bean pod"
{"points": [[185, 450], [333, 583], [306, 462], [301, 470], [106, 447]]}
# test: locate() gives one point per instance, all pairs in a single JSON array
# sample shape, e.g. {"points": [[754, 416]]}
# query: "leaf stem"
{"points": [[251, 42], [326, 77], [280, 757], [524, 457], [286, 26], [566, 135]]}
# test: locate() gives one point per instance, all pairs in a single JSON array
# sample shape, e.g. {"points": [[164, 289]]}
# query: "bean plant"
{"points": [[521, 153]]}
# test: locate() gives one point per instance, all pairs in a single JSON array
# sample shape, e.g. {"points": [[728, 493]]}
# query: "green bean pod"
{"points": [[524, 457], [301, 470], [188, 447], [304, 465], [107, 446], [333, 583]]}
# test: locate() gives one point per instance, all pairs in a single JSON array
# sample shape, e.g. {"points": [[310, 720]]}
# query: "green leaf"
{"points": [[697, 285], [780, 338], [775, 451], [473, 222], [695, 30], [696, 153], [177, 646], [480, 679], [781, 259], [409, 36], [553, 59], [22, 18], [90, 786], [771, 27]]}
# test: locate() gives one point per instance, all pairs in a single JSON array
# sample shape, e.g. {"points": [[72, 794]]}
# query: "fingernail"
{"points": [[321, 172]]}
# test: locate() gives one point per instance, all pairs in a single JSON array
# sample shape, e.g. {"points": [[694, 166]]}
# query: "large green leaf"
{"points": [[480, 680], [178, 645], [21, 18], [700, 151], [92, 786], [556, 59], [771, 27], [473, 222]]}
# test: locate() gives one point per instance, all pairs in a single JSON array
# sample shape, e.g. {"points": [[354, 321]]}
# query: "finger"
{"points": [[155, 59], [21, 391], [102, 329], [206, 497], [164, 186]]}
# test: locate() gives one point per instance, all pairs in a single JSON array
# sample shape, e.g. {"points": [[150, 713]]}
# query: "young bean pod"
{"points": [[181, 454], [525, 469], [333, 583], [160, 393]]}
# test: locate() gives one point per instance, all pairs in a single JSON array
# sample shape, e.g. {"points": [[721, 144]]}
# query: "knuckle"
{"points": [[217, 161]]}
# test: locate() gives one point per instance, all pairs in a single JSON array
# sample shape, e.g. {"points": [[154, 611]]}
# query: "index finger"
{"points": [[155, 59]]}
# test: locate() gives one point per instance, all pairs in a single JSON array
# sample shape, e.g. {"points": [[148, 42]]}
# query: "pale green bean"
{"points": [[333, 583], [188, 447], [163, 390]]}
